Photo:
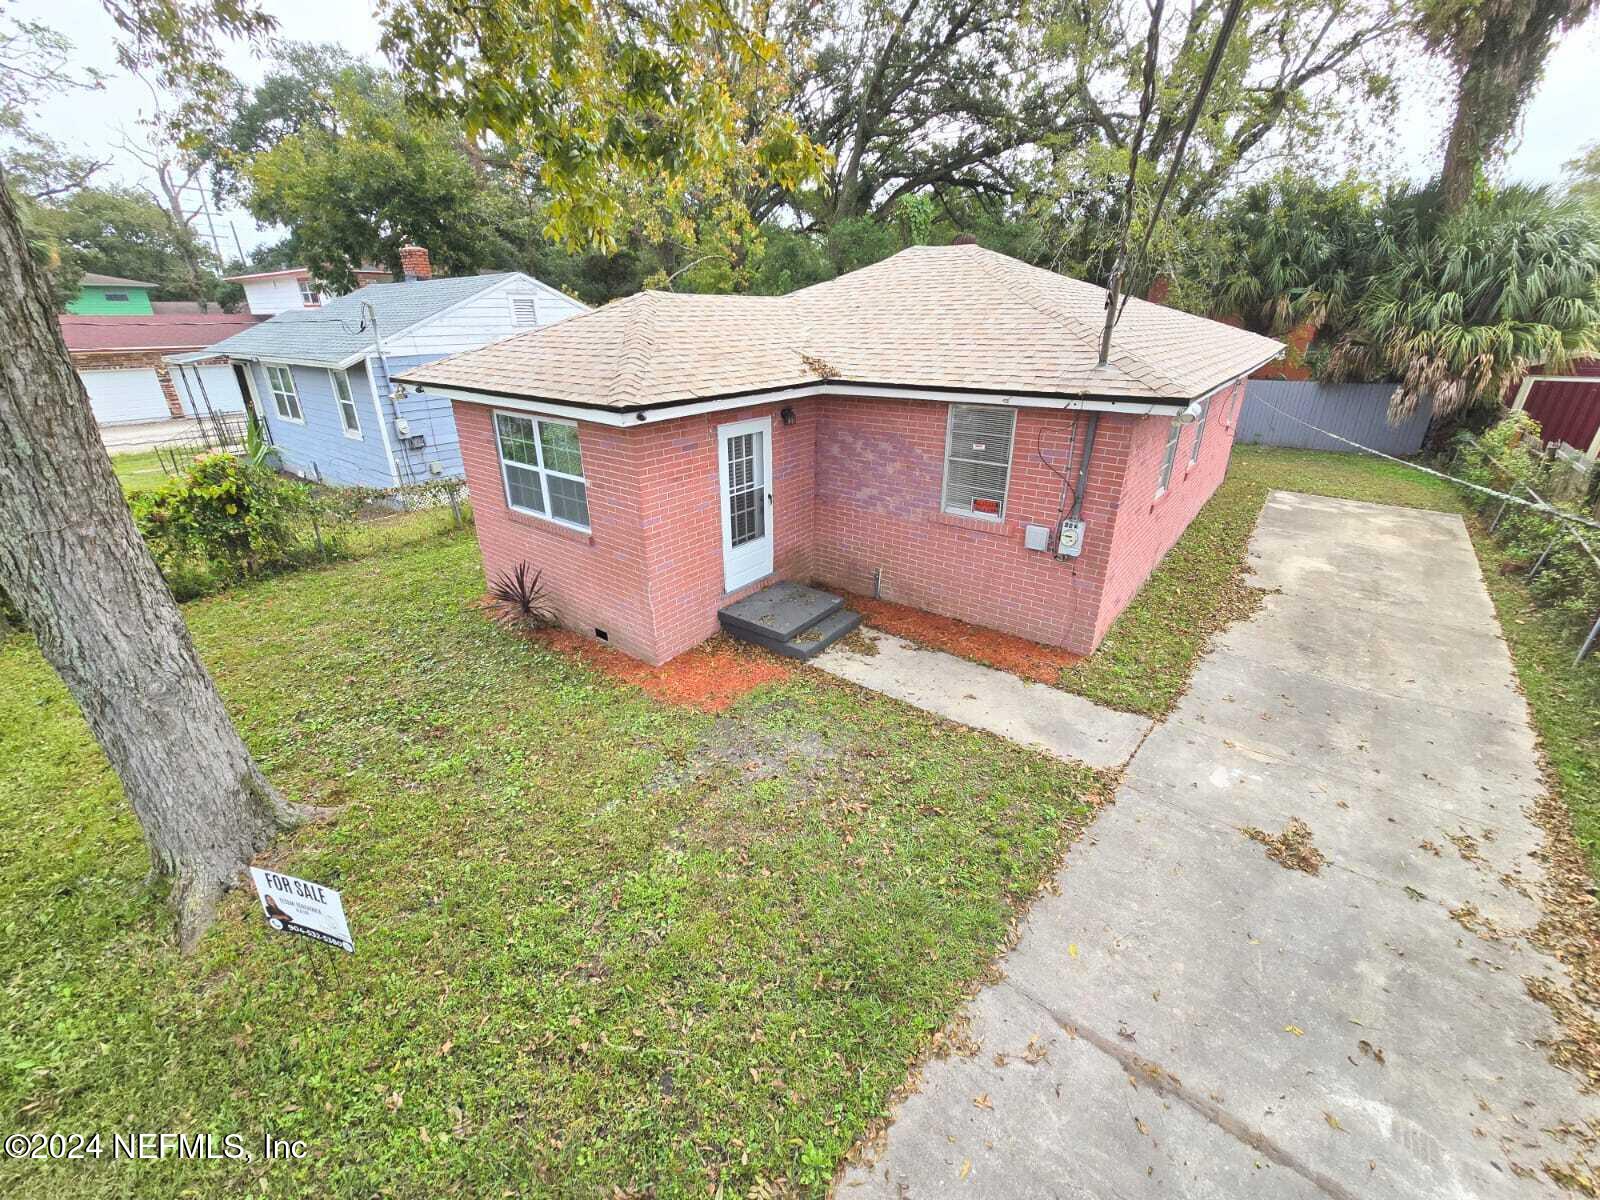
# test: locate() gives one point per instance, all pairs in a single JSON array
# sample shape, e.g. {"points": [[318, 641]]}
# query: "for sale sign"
{"points": [[300, 906]]}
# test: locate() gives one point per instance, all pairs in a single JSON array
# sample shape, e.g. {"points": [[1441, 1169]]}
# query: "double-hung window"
{"points": [[977, 460], [281, 381], [542, 465], [309, 296], [1199, 430], [346, 403], [1167, 457]]}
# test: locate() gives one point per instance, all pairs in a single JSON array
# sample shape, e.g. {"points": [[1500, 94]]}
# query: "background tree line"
{"points": [[861, 128]]}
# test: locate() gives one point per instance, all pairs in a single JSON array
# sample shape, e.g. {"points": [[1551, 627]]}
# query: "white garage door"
{"points": [[221, 389], [133, 395]]}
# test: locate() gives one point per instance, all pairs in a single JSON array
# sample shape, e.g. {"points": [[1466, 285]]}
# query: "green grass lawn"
{"points": [[601, 943], [604, 946], [137, 470], [1149, 654]]}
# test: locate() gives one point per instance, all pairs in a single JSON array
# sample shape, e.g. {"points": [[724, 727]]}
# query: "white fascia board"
{"points": [[655, 416]]}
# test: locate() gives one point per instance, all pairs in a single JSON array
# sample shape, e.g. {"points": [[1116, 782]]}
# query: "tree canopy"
{"points": [[1461, 304]]}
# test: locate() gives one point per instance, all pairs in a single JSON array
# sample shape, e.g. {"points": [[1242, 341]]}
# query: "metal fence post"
{"points": [[1588, 642], [1501, 511], [1539, 563]]}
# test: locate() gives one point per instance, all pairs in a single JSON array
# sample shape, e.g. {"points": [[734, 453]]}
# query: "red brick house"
{"points": [[922, 428]]}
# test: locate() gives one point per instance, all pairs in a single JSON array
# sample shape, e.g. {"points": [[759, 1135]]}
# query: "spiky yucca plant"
{"points": [[523, 600], [1458, 307]]}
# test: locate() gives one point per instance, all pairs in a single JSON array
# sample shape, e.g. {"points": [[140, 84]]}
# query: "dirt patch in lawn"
{"points": [[711, 677], [1292, 849], [1042, 664]]}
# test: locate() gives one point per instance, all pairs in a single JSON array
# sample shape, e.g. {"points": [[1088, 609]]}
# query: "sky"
{"points": [[1563, 116]]}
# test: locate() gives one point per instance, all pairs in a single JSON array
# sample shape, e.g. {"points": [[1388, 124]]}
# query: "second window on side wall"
{"points": [[542, 466], [287, 401], [1168, 456], [977, 460], [346, 403]]}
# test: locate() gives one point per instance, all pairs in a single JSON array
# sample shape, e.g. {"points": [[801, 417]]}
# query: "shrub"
{"points": [[227, 519], [522, 601], [1508, 458]]}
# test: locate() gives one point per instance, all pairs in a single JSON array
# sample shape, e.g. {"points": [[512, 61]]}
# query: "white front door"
{"points": [[744, 454]]}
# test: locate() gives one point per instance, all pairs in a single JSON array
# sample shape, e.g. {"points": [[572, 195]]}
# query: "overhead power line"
{"points": [[1224, 35]]}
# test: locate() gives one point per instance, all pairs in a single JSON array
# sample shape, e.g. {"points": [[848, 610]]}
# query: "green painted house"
{"points": [[108, 296]]}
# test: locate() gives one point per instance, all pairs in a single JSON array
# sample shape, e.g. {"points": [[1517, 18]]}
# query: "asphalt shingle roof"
{"points": [[946, 317], [335, 333], [90, 279], [164, 331]]}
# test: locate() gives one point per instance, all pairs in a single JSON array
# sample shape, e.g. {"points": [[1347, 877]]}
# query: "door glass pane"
{"points": [[747, 509]]}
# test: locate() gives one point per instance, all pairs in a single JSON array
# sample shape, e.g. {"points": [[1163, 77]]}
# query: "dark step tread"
{"points": [[813, 641], [779, 613]]}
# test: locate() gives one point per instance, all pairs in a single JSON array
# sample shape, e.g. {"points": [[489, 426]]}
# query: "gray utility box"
{"points": [[1036, 537]]}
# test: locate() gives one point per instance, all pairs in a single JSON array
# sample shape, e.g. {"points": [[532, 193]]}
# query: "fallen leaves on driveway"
{"points": [[1291, 849]]}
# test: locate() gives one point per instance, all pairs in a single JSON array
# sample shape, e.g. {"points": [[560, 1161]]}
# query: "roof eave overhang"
{"points": [[655, 414], [257, 356]]}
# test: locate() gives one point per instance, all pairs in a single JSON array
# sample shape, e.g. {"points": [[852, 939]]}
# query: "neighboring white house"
{"points": [[267, 293]]}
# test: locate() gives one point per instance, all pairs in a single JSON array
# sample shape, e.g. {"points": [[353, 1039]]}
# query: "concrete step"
{"points": [[779, 613], [813, 641]]}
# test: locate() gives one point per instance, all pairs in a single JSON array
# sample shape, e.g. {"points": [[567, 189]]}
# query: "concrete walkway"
{"points": [[1188, 1018], [147, 435], [1046, 718]]}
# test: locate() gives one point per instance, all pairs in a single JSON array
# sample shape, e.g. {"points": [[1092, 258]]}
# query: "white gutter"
{"points": [[648, 416]]}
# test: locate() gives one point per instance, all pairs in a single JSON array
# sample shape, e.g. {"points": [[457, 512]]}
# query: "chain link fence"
{"points": [[1552, 537]]}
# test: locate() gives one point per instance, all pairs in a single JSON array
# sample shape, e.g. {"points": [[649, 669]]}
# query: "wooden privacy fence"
{"points": [[1281, 412]]}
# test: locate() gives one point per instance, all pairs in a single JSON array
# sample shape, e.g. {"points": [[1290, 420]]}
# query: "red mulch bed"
{"points": [[711, 677], [987, 646]]}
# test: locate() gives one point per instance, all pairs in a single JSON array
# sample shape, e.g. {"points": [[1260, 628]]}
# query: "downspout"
{"points": [[1083, 469], [377, 398]]}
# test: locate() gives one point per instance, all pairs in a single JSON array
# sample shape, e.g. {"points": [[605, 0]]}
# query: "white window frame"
{"points": [[1168, 457], [345, 403], [1199, 430], [282, 401], [540, 470], [309, 296], [533, 304], [944, 483]]}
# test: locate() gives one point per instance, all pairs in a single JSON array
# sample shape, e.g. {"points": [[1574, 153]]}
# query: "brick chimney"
{"points": [[964, 239], [414, 264]]}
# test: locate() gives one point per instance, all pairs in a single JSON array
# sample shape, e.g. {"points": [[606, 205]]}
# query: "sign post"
{"points": [[299, 906]]}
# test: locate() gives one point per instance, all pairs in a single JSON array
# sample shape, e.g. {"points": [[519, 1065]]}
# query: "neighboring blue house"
{"points": [[320, 377]]}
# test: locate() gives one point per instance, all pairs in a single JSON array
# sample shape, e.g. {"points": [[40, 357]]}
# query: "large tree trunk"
{"points": [[72, 562], [1498, 76]]}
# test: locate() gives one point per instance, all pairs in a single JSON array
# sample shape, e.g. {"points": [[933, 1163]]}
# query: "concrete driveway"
{"points": [[1187, 1017], [147, 435]]}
